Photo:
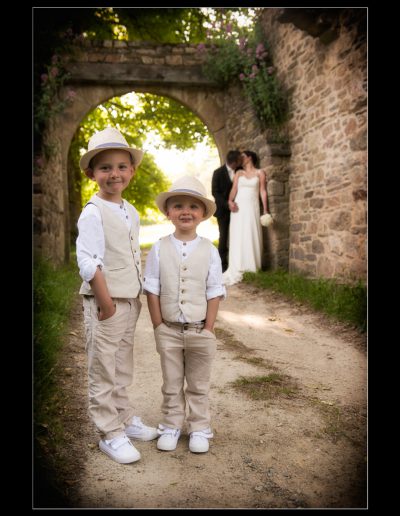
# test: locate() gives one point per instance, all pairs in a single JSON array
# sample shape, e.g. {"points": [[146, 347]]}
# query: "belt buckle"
{"points": [[185, 326]]}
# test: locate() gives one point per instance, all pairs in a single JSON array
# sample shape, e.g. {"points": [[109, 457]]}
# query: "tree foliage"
{"points": [[149, 179], [135, 115], [175, 125]]}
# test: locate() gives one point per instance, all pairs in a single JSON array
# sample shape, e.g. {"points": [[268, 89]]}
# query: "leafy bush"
{"points": [[247, 58]]}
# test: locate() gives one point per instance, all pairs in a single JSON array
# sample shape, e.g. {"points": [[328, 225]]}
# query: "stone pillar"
{"points": [[50, 199]]}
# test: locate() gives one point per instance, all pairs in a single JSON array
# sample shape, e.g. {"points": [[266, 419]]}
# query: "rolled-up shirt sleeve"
{"points": [[151, 280], [90, 244], [214, 287]]}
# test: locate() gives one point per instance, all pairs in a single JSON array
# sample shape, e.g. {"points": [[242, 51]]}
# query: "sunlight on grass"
{"points": [[345, 302]]}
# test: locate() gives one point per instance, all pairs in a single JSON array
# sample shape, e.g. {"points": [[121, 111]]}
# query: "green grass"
{"points": [[266, 387], [344, 302], [54, 290]]}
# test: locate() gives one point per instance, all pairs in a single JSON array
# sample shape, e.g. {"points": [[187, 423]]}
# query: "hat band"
{"points": [[111, 145], [187, 191]]}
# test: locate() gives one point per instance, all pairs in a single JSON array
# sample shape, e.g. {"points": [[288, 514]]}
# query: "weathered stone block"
{"points": [[317, 203], [340, 221], [173, 60], [317, 246], [359, 142], [275, 187]]}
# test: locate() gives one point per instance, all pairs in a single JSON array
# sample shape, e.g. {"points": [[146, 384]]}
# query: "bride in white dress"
{"points": [[245, 233]]}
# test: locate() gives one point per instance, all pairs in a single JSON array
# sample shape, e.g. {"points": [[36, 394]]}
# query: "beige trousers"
{"points": [[109, 346], [185, 355]]}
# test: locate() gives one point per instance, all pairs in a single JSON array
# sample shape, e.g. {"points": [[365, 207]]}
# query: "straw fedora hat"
{"points": [[190, 186], [107, 139]]}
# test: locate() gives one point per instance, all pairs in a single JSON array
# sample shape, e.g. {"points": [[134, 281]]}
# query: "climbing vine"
{"points": [[50, 103], [245, 57]]}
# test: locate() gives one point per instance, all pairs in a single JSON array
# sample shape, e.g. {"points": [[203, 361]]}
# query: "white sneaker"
{"points": [[168, 438], [120, 449], [198, 442], [137, 430]]}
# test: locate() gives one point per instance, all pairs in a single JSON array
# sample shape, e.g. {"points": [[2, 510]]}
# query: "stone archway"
{"points": [[195, 99], [317, 183], [101, 72]]}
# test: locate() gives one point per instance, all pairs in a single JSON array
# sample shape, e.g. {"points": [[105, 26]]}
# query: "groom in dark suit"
{"points": [[220, 187]]}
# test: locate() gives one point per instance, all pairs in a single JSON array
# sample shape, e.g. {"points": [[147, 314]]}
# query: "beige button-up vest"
{"points": [[183, 285], [122, 266]]}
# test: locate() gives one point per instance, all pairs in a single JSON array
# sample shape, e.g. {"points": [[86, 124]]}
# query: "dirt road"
{"points": [[300, 443]]}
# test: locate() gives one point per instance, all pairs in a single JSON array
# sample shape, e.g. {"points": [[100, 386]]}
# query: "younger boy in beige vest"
{"points": [[108, 256], [183, 283]]}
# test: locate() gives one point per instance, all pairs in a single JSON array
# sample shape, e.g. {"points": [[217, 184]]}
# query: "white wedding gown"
{"points": [[245, 233]]}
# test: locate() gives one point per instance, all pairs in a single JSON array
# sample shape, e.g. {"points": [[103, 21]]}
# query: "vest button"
{"points": [[184, 268], [182, 302], [182, 280], [183, 254], [182, 291]]}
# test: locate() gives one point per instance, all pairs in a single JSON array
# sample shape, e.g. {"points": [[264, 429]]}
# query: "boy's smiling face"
{"points": [[112, 170], [185, 212]]}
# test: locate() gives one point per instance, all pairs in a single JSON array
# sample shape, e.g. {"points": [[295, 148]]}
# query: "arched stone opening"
{"points": [[57, 179], [317, 186], [96, 96]]}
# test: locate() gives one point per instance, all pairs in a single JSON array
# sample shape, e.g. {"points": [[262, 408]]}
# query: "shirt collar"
{"points": [[180, 242]]}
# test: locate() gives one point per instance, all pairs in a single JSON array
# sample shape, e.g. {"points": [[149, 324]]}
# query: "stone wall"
{"points": [[99, 71], [316, 182], [50, 201], [113, 62], [244, 133], [328, 138]]}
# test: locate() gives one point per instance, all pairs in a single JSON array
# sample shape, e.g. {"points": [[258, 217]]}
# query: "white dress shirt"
{"points": [[90, 244], [214, 286], [231, 172]]}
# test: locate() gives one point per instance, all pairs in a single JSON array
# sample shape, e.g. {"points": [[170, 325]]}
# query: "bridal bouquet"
{"points": [[266, 219]]}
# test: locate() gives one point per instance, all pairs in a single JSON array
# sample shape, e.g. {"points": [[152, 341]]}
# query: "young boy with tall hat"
{"points": [[108, 255], [183, 284]]}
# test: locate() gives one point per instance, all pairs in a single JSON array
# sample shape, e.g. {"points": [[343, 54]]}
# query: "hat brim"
{"points": [[162, 198], [137, 155]]}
